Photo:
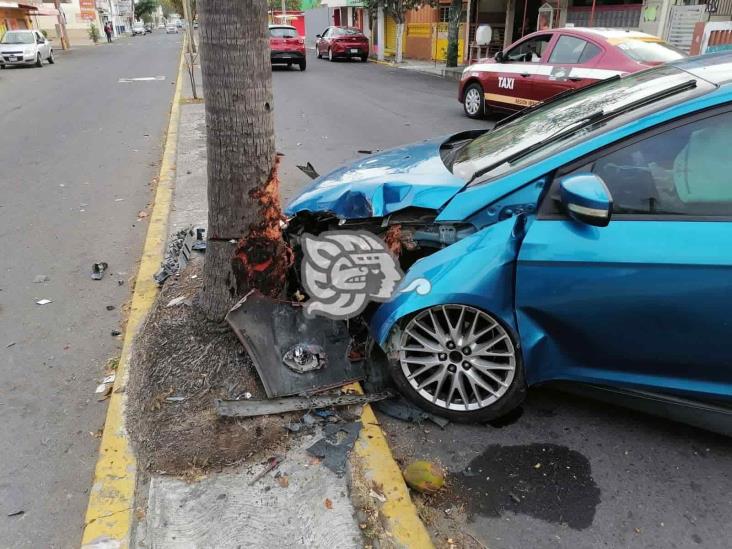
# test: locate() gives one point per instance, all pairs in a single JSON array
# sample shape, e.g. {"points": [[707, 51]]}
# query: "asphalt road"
{"points": [[606, 477], [78, 150]]}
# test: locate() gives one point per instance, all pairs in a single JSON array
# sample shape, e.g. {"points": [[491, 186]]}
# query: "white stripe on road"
{"points": [[141, 79]]}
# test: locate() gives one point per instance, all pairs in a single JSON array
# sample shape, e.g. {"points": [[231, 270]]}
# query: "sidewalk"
{"points": [[427, 67]]}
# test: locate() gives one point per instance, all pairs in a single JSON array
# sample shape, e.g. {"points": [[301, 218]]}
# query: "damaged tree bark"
{"points": [[245, 247]]}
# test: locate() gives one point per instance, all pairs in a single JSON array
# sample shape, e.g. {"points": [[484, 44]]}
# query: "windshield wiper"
{"points": [[584, 122], [553, 98]]}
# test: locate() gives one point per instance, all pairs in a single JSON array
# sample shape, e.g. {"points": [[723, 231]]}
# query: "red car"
{"points": [[546, 63], [286, 46], [344, 42]]}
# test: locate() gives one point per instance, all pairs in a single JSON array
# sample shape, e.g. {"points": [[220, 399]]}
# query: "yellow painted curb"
{"points": [[109, 514], [378, 468]]}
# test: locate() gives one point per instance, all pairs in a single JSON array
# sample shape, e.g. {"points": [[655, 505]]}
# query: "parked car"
{"points": [[342, 42], [546, 63], [138, 28], [286, 46], [171, 29], [25, 47], [586, 240]]}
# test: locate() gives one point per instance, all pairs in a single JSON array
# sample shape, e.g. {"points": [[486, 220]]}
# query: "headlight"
{"points": [[28, 51]]}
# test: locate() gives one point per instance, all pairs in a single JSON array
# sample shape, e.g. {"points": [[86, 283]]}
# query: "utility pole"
{"points": [[61, 26]]}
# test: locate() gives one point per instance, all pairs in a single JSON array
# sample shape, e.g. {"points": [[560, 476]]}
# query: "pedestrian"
{"points": [[108, 31]]}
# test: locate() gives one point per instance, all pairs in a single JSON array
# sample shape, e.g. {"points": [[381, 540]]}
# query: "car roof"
{"points": [[609, 34], [712, 67]]}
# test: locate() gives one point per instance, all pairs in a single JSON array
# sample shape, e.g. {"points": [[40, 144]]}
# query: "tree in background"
{"points": [[245, 247], [144, 9], [176, 6], [453, 31], [290, 5], [397, 9]]}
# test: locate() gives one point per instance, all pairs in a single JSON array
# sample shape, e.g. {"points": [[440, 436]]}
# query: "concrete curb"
{"points": [[110, 512], [448, 74]]}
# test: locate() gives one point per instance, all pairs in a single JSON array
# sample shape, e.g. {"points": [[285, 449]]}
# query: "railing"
{"points": [[723, 7]]}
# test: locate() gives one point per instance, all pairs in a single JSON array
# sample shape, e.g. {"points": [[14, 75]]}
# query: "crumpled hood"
{"points": [[383, 183]]}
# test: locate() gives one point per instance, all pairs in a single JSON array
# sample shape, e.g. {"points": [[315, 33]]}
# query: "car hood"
{"points": [[383, 183]]}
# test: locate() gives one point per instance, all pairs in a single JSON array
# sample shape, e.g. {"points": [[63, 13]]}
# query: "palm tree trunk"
{"points": [[453, 30], [245, 247]]}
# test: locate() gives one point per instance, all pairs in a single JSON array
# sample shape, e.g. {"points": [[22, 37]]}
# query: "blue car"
{"points": [[587, 240]]}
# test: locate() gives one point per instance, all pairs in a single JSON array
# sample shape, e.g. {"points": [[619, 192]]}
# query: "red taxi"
{"points": [[545, 63], [286, 46], [344, 42]]}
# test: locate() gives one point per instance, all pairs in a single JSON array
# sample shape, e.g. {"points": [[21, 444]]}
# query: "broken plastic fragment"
{"points": [[44, 301], [98, 270]]}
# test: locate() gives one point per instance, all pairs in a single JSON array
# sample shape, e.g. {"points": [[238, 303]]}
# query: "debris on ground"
{"points": [[178, 253], [424, 476], [272, 463], [110, 307], [98, 270], [253, 408], [12, 343], [320, 342], [40, 278], [328, 503], [308, 170], [115, 333], [337, 442], [200, 244], [176, 301], [406, 411], [44, 301]]}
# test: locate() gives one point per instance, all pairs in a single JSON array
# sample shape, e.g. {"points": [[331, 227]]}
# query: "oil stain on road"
{"points": [[545, 481]]}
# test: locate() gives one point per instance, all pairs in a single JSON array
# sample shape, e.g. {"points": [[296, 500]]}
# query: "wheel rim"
{"points": [[457, 357], [472, 101]]}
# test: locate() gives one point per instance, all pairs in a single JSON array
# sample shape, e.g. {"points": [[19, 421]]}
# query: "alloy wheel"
{"points": [[472, 101], [457, 357]]}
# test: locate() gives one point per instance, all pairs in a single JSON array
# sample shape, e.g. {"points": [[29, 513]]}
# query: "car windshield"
{"points": [[649, 51], [282, 32], [17, 38], [491, 153], [346, 31]]}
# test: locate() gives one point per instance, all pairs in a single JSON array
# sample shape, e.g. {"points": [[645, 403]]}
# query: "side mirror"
{"points": [[499, 57], [318, 36], [586, 199]]}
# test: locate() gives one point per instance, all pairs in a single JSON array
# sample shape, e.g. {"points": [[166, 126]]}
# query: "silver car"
{"points": [[25, 47]]}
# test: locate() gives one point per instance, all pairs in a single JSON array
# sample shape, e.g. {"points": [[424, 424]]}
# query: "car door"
{"points": [[647, 300], [323, 42], [510, 82], [571, 63]]}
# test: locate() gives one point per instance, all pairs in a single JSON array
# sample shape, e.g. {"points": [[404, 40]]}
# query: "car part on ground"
{"points": [[252, 408], [293, 354], [337, 442]]}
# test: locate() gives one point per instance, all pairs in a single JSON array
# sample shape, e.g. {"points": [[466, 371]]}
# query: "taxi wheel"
{"points": [[474, 102]]}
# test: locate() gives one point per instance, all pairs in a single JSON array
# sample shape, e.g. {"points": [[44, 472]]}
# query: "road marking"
{"points": [[109, 514], [141, 79]]}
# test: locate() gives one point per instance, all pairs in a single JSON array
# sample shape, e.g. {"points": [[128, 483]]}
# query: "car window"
{"points": [[683, 171], [346, 31], [282, 32], [530, 51], [326, 32], [570, 50], [590, 52], [653, 52]]}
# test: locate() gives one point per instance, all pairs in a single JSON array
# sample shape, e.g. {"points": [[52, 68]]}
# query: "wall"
{"points": [[13, 19], [77, 22], [316, 21]]}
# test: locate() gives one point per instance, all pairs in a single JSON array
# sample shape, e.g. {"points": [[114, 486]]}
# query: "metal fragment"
{"points": [[252, 408]]}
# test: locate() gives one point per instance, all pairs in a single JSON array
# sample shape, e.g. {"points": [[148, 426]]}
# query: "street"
{"points": [[78, 153], [636, 481]]}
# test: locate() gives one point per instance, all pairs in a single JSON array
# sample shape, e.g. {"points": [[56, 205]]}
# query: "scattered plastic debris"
{"points": [[10, 344], [44, 301], [252, 408], [98, 270], [308, 170], [177, 254], [424, 476], [40, 278], [175, 399], [336, 444], [110, 307], [272, 463], [176, 301], [102, 387], [115, 333]]}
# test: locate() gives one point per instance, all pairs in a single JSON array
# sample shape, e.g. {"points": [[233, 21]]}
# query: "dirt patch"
{"points": [[180, 364]]}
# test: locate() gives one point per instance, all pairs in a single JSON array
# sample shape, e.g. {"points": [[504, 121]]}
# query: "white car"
{"points": [[138, 28], [171, 29], [25, 47]]}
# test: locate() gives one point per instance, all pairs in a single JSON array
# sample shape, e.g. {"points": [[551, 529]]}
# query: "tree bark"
{"points": [[245, 248], [453, 30], [399, 45]]}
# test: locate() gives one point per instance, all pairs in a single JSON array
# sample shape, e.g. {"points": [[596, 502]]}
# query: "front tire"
{"points": [[39, 61], [474, 101], [458, 362], [51, 59]]}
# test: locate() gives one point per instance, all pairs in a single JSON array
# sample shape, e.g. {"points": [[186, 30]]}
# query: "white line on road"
{"points": [[141, 79]]}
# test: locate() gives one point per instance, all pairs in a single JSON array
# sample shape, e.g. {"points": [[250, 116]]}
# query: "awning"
{"points": [[40, 10]]}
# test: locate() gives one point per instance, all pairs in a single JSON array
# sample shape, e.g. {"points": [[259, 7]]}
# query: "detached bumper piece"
{"points": [[294, 355]]}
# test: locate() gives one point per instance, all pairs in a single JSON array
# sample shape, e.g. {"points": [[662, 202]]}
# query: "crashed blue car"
{"points": [[587, 240]]}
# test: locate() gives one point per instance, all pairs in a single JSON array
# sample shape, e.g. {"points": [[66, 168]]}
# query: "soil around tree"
{"points": [[180, 364]]}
